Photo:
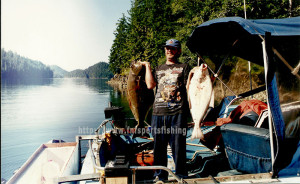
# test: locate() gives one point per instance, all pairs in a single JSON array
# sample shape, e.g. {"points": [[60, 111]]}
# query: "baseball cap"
{"points": [[173, 43]]}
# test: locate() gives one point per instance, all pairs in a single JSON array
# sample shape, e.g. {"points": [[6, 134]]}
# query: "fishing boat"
{"points": [[259, 151]]}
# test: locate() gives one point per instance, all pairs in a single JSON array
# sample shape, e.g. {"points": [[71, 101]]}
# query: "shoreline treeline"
{"points": [[150, 23]]}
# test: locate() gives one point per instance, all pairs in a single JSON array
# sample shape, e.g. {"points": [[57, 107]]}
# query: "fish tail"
{"points": [[197, 133], [140, 131], [140, 124]]}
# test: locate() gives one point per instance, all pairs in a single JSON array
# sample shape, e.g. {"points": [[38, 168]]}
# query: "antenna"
{"points": [[249, 63], [245, 13]]}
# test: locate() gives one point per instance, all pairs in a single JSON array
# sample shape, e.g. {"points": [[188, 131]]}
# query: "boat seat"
{"points": [[247, 148]]}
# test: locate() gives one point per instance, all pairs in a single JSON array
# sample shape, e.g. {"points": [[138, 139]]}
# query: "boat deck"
{"points": [[47, 163]]}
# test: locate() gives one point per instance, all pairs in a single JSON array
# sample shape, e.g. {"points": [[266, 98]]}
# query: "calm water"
{"points": [[34, 112]]}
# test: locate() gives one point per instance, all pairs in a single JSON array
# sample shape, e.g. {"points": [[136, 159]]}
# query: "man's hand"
{"points": [[145, 63], [148, 76]]}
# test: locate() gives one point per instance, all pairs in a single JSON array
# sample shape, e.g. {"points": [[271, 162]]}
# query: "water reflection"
{"points": [[36, 111], [38, 81], [118, 97], [99, 85]]}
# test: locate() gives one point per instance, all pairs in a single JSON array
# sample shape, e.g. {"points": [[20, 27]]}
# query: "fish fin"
{"points": [[197, 133], [190, 104]]}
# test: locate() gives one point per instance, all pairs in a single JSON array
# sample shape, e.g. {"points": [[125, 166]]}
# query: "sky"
{"points": [[72, 34]]}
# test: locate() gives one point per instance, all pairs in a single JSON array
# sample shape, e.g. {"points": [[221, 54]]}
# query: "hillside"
{"points": [[14, 66], [78, 73], [97, 71], [58, 72]]}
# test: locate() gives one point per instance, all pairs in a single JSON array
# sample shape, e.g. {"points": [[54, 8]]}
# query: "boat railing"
{"points": [[103, 125], [93, 158], [101, 169], [111, 121]]}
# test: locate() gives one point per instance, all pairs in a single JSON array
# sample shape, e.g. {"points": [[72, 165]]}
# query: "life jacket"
{"points": [[244, 108], [145, 158]]}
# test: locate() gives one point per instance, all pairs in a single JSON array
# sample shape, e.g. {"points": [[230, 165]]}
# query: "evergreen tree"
{"points": [[14, 66], [151, 23], [119, 53]]}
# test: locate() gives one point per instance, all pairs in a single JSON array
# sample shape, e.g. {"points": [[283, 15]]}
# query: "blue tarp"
{"points": [[243, 38], [294, 168], [217, 37], [277, 27]]}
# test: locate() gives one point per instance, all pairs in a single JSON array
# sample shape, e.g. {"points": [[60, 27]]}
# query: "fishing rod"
{"points": [[215, 74]]}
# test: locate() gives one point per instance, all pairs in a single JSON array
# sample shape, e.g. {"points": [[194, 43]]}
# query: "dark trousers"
{"points": [[170, 129]]}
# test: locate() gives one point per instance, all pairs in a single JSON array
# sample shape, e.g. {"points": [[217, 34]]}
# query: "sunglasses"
{"points": [[171, 48]]}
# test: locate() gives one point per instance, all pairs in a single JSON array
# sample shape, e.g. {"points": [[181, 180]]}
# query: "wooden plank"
{"points": [[116, 180]]}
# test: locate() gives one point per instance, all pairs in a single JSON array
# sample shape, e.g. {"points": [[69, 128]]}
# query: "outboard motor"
{"points": [[116, 114]]}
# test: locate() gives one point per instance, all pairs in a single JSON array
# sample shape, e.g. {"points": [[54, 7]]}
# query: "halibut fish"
{"points": [[201, 96], [140, 98]]}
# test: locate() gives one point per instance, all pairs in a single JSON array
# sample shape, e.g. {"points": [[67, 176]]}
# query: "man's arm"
{"points": [[148, 76]]}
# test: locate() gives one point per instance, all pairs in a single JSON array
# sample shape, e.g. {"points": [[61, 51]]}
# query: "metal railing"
{"points": [[92, 176], [135, 168]]}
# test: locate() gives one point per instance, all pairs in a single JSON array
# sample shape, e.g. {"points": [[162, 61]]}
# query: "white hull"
{"points": [[47, 163]]}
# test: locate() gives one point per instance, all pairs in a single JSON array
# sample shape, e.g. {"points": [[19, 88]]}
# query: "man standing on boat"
{"points": [[170, 109]]}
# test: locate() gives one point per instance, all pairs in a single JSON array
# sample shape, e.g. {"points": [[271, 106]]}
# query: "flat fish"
{"points": [[140, 98], [201, 96]]}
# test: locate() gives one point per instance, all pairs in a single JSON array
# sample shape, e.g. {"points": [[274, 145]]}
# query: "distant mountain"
{"points": [[76, 74], [58, 72], [14, 66], [97, 71]]}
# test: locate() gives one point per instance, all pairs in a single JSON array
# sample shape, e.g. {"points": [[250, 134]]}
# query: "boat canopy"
{"points": [[242, 37], [256, 41]]}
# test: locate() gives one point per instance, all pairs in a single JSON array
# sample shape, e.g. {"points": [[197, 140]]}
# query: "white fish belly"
{"points": [[200, 97]]}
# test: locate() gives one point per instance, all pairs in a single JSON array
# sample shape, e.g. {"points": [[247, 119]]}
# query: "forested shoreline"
{"points": [[14, 66], [142, 34], [150, 23], [97, 71]]}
